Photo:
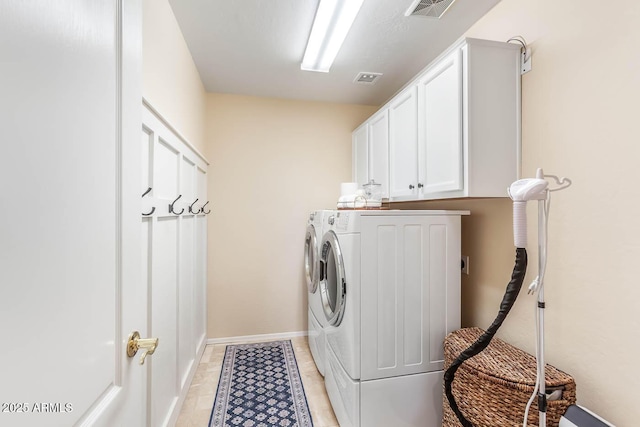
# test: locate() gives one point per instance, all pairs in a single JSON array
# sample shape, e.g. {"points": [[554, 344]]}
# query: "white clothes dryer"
{"points": [[315, 314], [390, 287], [312, 240]]}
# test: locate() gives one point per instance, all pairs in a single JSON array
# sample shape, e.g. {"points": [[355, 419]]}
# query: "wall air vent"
{"points": [[430, 8], [367, 78]]}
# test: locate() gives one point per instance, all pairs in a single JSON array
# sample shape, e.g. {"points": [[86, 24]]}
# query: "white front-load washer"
{"points": [[315, 315], [390, 287]]}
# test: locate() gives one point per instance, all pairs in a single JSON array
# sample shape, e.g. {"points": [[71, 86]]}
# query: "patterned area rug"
{"points": [[260, 386]]}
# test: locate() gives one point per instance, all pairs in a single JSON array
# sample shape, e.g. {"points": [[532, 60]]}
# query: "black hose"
{"points": [[510, 296]]}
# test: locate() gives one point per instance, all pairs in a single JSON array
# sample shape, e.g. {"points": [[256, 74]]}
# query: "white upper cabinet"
{"points": [[454, 131], [403, 144], [490, 118], [440, 127], [360, 170], [371, 152], [378, 129]]}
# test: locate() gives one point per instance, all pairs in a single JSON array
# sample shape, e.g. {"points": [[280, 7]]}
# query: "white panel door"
{"points": [[70, 289], [379, 150], [440, 127], [410, 293], [360, 156], [403, 144]]}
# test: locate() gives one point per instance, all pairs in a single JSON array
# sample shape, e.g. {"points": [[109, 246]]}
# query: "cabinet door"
{"points": [[360, 170], [411, 297], [403, 144], [440, 127], [379, 151]]}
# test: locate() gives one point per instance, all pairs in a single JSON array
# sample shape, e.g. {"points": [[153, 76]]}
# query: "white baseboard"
{"points": [[263, 337]]}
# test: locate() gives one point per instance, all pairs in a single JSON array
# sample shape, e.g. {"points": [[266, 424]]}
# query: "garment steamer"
{"points": [[520, 192]]}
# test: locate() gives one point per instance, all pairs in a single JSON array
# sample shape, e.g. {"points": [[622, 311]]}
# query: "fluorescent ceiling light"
{"points": [[330, 27]]}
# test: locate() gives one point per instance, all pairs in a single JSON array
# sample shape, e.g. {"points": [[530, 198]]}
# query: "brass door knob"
{"points": [[135, 342]]}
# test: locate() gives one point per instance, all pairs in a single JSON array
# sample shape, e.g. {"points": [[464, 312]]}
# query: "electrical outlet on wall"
{"points": [[464, 264]]}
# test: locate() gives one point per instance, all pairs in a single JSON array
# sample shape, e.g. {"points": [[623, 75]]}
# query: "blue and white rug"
{"points": [[260, 386]]}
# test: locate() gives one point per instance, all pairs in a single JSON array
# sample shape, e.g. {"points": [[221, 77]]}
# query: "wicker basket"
{"points": [[492, 389]]}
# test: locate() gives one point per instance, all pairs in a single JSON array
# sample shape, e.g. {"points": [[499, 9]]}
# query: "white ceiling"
{"points": [[254, 47]]}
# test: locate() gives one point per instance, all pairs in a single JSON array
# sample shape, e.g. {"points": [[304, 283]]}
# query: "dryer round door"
{"points": [[333, 285], [311, 259]]}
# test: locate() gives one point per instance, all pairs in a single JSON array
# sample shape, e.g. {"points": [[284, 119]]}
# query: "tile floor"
{"points": [[197, 406]]}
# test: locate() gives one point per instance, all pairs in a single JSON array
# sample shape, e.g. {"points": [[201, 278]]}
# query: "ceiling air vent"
{"points": [[367, 78], [430, 8]]}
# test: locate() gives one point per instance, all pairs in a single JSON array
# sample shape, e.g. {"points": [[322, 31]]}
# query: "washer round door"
{"points": [[333, 285], [311, 259]]}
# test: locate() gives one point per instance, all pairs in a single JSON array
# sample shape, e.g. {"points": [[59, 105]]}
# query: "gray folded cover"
{"points": [[579, 417]]}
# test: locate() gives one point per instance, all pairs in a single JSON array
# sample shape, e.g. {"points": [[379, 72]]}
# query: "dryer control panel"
{"points": [[342, 220]]}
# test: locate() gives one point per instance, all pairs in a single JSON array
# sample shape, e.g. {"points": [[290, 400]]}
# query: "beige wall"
{"points": [[273, 162], [170, 80], [580, 112]]}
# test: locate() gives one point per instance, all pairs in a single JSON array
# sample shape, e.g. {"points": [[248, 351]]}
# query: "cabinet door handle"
{"points": [[420, 185], [411, 187]]}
